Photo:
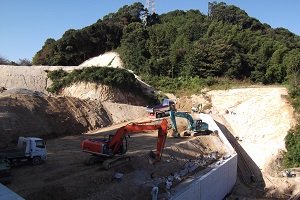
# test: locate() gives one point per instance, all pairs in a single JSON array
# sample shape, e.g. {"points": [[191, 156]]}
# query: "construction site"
{"points": [[239, 157]]}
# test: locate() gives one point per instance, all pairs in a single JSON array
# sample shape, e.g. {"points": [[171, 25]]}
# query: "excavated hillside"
{"points": [[31, 113], [27, 109]]}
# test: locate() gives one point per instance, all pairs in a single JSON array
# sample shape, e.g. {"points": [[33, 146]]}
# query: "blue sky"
{"points": [[26, 24]]}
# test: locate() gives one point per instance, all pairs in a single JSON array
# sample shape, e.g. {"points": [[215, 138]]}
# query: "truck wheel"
{"points": [[158, 115], [36, 161]]}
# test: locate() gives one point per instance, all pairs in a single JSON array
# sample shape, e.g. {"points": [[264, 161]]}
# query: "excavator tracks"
{"points": [[116, 161]]}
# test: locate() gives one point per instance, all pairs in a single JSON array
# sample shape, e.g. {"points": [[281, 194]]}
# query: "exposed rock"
{"points": [[102, 93]]}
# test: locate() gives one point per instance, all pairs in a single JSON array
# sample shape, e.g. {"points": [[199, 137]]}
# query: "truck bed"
{"points": [[12, 153], [158, 108]]}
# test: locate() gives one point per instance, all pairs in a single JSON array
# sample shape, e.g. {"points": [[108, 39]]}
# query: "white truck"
{"points": [[29, 149]]}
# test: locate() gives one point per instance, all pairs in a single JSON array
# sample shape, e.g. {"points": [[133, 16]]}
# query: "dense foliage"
{"points": [[292, 156], [76, 46], [189, 44], [226, 43], [114, 77], [187, 50]]}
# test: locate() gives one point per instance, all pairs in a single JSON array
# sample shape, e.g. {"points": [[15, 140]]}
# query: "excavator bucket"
{"points": [[151, 156], [175, 134]]}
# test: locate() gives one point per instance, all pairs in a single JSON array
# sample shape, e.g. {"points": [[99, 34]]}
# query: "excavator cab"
{"points": [[123, 146], [198, 124]]}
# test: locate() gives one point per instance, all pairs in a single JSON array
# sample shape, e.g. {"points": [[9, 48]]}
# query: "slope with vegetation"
{"points": [[188, 50]]}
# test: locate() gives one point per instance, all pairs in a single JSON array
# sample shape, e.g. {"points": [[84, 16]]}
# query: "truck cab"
{"points": [[28, 149], [33, 147]]}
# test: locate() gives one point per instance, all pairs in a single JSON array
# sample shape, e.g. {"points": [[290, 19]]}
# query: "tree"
{"points": [[292, 63], [276, 71], [126, 14], [4, 61], [24, 62], [133, 47], [43, 56]]}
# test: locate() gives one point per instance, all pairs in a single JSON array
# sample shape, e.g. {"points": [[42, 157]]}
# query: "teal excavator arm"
{"points": [[174, 114], [183, 115], [192, 127]]}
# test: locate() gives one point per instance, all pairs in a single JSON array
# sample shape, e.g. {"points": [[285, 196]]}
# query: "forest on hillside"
{"points": [[182, 49], [225, 43]]}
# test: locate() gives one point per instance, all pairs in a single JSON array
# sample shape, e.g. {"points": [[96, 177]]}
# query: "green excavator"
{"points": [[194, 126]]}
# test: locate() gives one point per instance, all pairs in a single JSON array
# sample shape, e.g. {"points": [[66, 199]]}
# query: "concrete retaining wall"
{"points": [[219, 181]]}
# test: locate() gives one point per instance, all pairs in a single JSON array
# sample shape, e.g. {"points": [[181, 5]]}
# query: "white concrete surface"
{"points": [[7, 194], [219, 181]]}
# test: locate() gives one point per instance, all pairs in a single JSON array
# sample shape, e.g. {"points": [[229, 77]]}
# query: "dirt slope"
{"points": [[260, 118], [68, 178], [27, 113]]}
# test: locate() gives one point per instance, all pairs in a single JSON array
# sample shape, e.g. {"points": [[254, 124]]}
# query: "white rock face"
{"points": [[109, 59], [35, 77], [261, 118], [28, 77]]}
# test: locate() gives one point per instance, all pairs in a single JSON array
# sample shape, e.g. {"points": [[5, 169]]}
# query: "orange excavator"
{"points": [[110, 150]]}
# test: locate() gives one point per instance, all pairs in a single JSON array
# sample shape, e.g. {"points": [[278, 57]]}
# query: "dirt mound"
{"points": [[102, 93], [42, 116]]}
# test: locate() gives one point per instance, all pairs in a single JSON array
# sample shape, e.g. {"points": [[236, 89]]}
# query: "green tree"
{"points": [[133, 47], [43, 56], [292, 63], [292, 143]]}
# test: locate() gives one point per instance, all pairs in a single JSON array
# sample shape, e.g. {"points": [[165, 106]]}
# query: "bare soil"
{"points": [[64, 175]]}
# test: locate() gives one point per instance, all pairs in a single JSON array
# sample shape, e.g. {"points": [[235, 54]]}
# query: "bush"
{"points": [[113, 77], [56, 75], [292, 143]]}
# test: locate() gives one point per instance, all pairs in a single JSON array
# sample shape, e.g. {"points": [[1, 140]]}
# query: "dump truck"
{"points": [[5, 172], [29, 149], [162, 110]]}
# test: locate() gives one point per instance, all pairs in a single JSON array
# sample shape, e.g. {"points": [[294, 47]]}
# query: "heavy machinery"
{"points": [[162, 110], [197, 109], [194, 126], [110, 150], [5, 172], [29, 149]]}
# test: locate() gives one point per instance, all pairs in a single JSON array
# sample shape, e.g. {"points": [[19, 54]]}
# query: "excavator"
{"points": [[110, 151], [197, 109], [195, 126]]}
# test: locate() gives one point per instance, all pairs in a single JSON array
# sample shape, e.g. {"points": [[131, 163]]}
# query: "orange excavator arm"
{"points": [[122, 132], [161, 139]]}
